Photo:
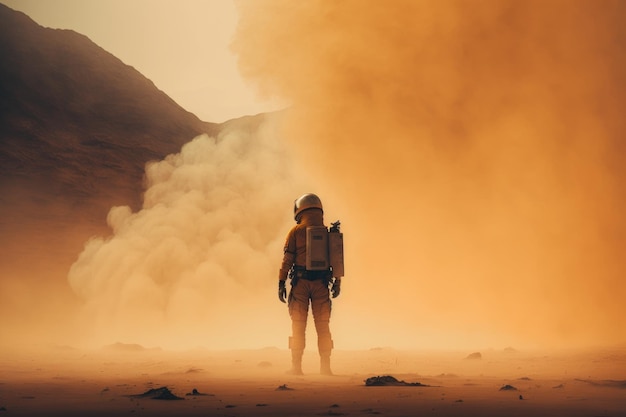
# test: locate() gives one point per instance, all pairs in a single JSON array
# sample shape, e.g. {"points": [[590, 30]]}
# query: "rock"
{"points": [[388, 380], [195, 393], [162, 393], [475, 355]]}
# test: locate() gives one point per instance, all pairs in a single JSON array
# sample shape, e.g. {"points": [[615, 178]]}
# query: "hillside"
{"points": [[77, 127]]}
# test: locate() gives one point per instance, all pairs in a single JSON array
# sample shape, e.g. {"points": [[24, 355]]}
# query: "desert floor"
{"points": [[62, 381]]}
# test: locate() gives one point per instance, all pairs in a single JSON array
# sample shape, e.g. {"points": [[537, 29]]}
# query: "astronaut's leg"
{"points": [[297, 344], [324, 345], [321, 306], [298, 310]]}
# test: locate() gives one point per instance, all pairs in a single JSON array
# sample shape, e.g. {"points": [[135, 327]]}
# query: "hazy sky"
{"points": [[182, 46]]}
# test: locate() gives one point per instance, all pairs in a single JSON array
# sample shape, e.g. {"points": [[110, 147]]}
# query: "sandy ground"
{"points": [[63, 381]]}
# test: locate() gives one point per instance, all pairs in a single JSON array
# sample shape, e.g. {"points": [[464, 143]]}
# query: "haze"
{"points": [[472, 152]]}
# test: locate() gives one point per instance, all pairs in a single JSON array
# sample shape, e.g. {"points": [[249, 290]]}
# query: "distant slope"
{"points": [[68, 107], [77, 126]]}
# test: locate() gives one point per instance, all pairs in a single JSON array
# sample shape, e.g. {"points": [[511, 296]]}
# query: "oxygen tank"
{"points": [[335, 249], [317, 248]]}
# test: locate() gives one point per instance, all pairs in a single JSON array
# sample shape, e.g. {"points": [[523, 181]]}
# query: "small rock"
{"points": [[195, 393], [508, 387], [475, 355]]}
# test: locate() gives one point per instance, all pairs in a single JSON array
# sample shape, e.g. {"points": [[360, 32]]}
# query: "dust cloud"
{"points": [[474, 152], [197, 266]]}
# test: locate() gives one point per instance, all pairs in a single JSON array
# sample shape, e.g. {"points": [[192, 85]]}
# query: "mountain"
{"points": [[77, 127]]}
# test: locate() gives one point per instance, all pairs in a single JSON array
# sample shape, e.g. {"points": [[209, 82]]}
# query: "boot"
{"points": [[325, 363], [296, 362]]}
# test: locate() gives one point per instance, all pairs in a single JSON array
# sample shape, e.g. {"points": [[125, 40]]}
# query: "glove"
{"points": [[282, 290], [336, 288]]}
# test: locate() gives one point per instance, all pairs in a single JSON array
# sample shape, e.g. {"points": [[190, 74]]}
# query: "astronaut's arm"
{"points": [[289, 256], [288, 261]]}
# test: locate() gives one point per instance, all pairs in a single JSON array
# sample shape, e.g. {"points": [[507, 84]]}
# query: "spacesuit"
{"points": [[307, 286]]}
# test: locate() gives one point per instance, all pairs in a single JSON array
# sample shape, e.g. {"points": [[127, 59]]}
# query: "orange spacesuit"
{"points": [[307, 286]]}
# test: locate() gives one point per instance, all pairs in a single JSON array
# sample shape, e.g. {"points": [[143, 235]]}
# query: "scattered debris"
{"points": [[475, 355], [388, 380], [195, 393], [508, 387], [283, 387], [162, 393]]}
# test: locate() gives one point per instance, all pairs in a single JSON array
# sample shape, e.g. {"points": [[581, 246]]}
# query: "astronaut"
{"points": [[309, 284]]}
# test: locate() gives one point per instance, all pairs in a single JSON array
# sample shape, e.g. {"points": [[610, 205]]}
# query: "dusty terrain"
{"points": [[105, 382]]}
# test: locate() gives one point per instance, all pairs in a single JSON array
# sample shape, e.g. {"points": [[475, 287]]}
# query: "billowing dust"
{"points": [[471, 150], [197, 266], [474, 151]]}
